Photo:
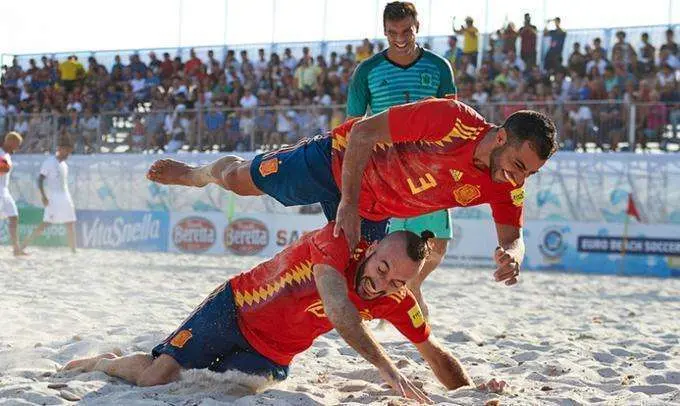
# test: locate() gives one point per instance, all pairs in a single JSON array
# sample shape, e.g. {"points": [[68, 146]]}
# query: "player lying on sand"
{"points": [[259, 320], [406, 161]]}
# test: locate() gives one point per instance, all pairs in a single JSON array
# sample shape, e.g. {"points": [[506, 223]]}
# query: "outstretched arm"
{"points": [[445, 366], [363, 137], [345, 317]]}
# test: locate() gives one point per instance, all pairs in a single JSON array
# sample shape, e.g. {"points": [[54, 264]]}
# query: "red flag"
{"points": [[632, 210]]}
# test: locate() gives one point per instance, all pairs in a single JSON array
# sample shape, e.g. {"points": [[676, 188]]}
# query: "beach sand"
{"points": [[556, 338]]}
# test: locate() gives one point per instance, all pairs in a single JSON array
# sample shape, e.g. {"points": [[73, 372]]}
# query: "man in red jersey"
{"points": [[259, 320], [406, 161]]}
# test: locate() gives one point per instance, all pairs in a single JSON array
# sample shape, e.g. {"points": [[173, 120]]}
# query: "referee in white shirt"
{"points": [[59, 208]]}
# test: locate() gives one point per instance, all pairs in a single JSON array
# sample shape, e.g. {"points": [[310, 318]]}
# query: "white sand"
{"points": [[556, 338]]}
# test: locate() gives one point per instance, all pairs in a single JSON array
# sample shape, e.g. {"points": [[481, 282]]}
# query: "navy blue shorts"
{"points": [[210, 338], [302, 174]]}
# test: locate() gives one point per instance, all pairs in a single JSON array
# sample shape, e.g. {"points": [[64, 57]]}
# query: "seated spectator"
{"points": [[214, 124], [654, 121], [577, 61], [610, 123], [91, 130], [249, 100], [512, 60], [598, 62], [137, 141]]}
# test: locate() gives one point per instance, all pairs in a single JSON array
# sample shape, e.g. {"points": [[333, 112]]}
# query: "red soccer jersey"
{"points": [[280, 311], [430, 165]]}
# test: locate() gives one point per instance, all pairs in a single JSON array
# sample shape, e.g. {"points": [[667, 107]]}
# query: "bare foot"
{"points": [[87, 364], [170, 172], [20, 253], [493, 386]]}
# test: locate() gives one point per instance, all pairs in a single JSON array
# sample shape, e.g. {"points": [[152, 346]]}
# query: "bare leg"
{"points": [[13, 226], [71, 234], [438, 252], [139, 369], [231, 172], [35, 234]]}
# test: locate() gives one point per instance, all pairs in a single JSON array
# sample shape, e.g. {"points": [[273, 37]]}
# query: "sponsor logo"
{"points": [[466, 194], [246, 236], [416, 316], [181, 338], [517, 196], [634, 246], [456, 175], [194, 234], [425, 79], [98, 234], [552, 244], [269, 166]]}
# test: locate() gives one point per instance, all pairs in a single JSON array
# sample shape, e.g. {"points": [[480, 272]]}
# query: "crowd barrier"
{"points": [[575, 209]]}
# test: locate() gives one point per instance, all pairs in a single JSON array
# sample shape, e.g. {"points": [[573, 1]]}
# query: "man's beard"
{"points": [[495, 162], [359, 279]]}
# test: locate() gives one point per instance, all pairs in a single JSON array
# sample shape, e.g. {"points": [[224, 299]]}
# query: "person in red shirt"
{"points": [[258, 321], [406, 161]]}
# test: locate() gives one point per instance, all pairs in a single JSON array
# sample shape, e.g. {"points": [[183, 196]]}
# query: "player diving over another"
{"points": [[406, 161], [257, 321]]}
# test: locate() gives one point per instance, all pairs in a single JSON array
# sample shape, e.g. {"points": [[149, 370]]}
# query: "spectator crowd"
{"points": [[260, 101]]}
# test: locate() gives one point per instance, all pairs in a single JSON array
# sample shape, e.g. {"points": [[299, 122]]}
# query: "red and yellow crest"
{"points": [[181, 338], [466, 194], [269, 166]]}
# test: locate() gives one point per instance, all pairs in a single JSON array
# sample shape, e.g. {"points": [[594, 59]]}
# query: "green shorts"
{"points": [[438, 222]]}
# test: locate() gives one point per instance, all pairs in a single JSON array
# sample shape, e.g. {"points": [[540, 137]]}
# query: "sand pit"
{"points": [[558, 339]]}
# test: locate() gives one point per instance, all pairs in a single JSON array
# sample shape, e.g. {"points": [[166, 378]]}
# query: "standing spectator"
{"points": [[246, 65], [288, 60], [670, 45], [167, 68], [623, 47], [70, 72], [213, 64], [193, 65], [470, 39], [117, 64], [454, 53], [510, 35], [577, 61], [647, 53], [261, 64], [348, 55], [154, 62], [364, 51], [528, 35], [137, 141], [136, 65], [138, 84], [666, 57], [553, 58]]}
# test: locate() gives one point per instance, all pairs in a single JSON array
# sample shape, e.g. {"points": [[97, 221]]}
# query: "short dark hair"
{"points": [[536, 128], [398, 10], [417, 246]]}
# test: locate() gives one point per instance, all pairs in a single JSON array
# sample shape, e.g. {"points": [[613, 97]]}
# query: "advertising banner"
{"points": [[29, 219], [650, 250], [133, 230], [262, 234]]}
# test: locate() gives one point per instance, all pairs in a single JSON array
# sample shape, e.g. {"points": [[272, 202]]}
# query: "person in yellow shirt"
{"points": [[365, 51], [70, 72], [470, 39], [306, 75]]}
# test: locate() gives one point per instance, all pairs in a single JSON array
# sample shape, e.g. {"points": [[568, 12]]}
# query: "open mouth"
{"points": [[400, 46], [367, 288]]}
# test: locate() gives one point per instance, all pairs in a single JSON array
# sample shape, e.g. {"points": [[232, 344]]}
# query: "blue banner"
{"points": [[134, 230]]}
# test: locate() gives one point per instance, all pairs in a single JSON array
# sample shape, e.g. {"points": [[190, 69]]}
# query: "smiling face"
{"points": [[386, 269], [513, 162], [401, 35]]}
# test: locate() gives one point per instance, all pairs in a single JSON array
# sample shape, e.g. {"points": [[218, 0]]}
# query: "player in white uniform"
{"points": [[59, 208], [8, 208]]}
